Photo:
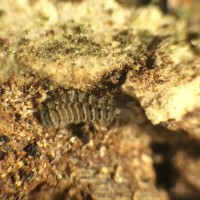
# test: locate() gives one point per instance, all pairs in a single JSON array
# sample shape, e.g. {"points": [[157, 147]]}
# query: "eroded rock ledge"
{"points": [[97, 46]]}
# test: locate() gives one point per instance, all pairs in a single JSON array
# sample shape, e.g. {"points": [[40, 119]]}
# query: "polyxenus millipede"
{"points": [[74, 106]]}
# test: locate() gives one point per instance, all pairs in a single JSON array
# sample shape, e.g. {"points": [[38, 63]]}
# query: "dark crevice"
{"points": [[136, 3], [115, 79], [151, 49], [32, 149], [165, 171], [193, 36], [62, 195], [37, 189], [165, 148], [162, 4], [184, 197], [79, 132], [81, 194]]}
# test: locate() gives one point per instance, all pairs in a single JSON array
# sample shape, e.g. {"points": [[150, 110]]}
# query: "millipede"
{"points": [[75, 106]]}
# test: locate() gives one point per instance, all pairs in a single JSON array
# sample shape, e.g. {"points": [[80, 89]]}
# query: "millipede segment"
{"points": [[74, 106]]}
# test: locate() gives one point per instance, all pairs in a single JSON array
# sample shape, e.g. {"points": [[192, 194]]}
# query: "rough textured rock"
{"points": [[104, 47]]}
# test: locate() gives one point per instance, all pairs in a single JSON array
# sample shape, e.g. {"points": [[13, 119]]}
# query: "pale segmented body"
{"points": [[73, 106]]}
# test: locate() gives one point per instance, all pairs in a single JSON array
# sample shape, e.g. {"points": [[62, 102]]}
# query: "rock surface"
{"points": [[109, 48]]}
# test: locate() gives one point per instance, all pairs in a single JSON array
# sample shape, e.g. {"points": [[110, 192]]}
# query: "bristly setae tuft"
{"points": [[74, 106]]}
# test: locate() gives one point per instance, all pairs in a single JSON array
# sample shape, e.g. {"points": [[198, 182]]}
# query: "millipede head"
{"points": [[45, 119]]}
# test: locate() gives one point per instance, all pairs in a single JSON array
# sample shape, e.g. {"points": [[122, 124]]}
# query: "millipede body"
{"points": [[74, 106]]}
